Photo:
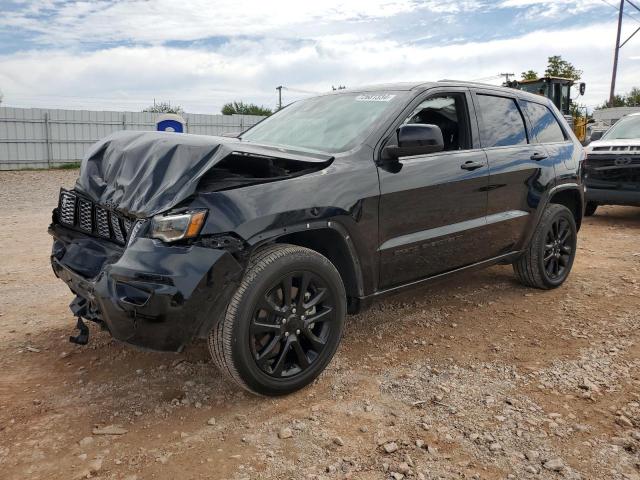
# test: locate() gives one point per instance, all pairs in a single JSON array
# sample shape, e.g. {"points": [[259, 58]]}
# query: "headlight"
{"points": [[170, 228]]}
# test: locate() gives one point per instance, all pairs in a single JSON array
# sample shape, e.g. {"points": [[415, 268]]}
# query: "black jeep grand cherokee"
{"points": [[264, 242]]}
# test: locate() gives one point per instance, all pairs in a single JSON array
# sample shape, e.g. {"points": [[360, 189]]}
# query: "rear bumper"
{"points": [[612, 197], [155, 296]]}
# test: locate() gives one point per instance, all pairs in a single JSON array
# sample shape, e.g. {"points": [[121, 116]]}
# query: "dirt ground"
{"points": [[475, 378]]}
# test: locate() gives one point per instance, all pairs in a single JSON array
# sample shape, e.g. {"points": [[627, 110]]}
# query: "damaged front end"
{"points": [[141, 262], [145, 292]]}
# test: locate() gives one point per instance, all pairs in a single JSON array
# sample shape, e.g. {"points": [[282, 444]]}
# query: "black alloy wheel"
{"points": [[547, 260], [291, 324], [559, 248], [283, 324]]}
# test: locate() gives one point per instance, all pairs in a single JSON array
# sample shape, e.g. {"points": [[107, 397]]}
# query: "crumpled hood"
{"points": [[144, 173]]}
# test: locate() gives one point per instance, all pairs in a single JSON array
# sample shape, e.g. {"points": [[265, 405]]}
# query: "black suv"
{"points": [[262, 243]]}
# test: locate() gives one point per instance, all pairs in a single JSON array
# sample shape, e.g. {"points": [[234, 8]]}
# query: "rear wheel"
{"points": [[283, 324], [548, 260], [590, 208]]}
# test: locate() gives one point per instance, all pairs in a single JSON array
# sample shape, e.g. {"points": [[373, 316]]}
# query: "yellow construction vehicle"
{"points": [[558, 90]]}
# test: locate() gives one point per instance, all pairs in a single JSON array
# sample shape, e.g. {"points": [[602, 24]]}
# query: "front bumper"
{"points": [[155, 296], [603, 196]]}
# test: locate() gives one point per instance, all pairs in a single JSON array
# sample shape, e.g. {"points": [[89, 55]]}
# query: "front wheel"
{"points": [[547, 261], [283, 324], [590, 209]]}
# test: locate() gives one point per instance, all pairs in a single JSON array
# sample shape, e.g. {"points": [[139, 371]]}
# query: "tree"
{"points": [[529, 75], [242, 108], [630, 99], [339, 87], [558, 67], [164, 107]]}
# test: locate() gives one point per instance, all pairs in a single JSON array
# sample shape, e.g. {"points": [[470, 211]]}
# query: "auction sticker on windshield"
{"points": [[374, 98]]}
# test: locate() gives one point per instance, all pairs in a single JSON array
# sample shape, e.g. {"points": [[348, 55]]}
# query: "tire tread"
{"points": [[527, 268], [220, 338]]}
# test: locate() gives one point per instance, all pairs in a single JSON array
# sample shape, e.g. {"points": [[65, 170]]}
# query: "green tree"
{"points": [[618, 101], [245, 109], [529, 75], [632, 99], [629, 99], [558, 67], [164, 107]]}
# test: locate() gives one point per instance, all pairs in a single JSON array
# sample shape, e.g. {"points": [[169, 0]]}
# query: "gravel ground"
{"points": [[475, 378]]}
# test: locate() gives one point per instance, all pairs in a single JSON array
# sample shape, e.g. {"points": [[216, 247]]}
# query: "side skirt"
{"points": [[503, 259]]}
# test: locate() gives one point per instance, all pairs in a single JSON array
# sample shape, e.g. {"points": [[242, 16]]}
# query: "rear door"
{"points": [[517, 169], [432, 206]]}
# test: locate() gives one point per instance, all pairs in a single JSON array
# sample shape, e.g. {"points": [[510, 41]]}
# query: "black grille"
{"points": [[82, 214], [102, 223], [85, 215], [67, 208]]}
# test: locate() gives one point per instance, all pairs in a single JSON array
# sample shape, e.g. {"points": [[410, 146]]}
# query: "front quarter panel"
{"points": [[345, 192]]}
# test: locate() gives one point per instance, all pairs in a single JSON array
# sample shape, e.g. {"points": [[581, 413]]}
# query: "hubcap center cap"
{"points": [[292, 324]]}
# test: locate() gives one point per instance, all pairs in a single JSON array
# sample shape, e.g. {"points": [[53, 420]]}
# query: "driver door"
{"points": [[433, 206]]}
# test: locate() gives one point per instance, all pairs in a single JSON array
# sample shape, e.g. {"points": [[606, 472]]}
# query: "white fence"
{"points": [[41, 138]]}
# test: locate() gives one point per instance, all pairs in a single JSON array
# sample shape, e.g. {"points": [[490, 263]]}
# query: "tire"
{"points": [[268, 342], [590, 208], [547, 261]]}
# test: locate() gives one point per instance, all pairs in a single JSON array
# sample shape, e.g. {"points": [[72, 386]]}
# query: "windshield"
{"points": [[625, 128], [330, 123]]}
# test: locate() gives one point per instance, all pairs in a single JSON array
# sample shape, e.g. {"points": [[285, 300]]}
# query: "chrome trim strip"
{"points": [[446, 230]]}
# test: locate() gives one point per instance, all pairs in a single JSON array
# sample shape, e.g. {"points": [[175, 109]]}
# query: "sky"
{"points": [[200, 54]]}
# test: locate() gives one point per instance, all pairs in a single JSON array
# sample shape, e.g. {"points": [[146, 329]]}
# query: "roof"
{"points": [[419, 86]]}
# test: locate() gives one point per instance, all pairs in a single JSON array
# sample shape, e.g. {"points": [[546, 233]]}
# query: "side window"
{"points": [[545, 126], [502, 123], [450, 113]]}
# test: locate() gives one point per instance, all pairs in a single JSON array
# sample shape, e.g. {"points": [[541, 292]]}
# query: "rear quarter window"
{"points": [[501, 122], [545, 126]]}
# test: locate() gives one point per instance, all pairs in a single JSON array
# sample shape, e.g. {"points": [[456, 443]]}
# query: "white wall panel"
{"points": [[42, 138]]}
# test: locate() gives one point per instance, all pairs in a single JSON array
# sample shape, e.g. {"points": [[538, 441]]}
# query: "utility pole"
{"points": [[506, 77], [279, 88], [612, 94]]}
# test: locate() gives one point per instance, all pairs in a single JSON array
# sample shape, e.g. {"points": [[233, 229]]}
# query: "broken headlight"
{"points": [[170, 228]]}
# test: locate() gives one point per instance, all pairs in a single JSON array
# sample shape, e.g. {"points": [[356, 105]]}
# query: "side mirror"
{"points": [[596, 135], [415, 139], [583, 88]]}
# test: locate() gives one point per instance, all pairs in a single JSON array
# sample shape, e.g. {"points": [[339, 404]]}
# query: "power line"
{"points": [[487, 78], [624, 13], [297, 90]]}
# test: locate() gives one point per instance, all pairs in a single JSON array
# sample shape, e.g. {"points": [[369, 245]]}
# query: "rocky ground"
{"points": [[475, 378]]}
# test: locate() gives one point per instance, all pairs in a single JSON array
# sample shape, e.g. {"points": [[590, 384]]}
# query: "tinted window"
{"points": [[449, 112], [502, 122], [546, 128]]}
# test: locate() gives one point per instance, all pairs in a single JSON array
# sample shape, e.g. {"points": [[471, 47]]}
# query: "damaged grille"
{"points": [[82, 214]]}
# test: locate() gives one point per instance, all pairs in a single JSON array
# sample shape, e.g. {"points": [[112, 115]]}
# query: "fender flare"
{"points": [[270, 236]]}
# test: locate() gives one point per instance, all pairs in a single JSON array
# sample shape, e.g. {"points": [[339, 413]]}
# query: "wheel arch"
{"points": [[333, 241], [571, 197]]}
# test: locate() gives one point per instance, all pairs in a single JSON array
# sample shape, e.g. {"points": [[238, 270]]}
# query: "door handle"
{"points": [[471, 165], [538, 156]]}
